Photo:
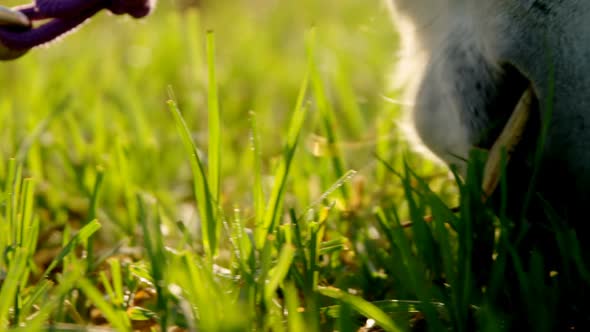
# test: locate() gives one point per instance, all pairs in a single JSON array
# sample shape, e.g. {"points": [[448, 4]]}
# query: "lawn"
{"points": [[238, 166]]}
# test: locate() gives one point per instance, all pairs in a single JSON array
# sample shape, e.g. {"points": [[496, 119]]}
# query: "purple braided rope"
{"points": [[66, 15], [43, 9]]}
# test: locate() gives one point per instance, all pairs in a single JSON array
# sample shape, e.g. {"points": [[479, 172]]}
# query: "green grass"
{"points": [[238, 168]]}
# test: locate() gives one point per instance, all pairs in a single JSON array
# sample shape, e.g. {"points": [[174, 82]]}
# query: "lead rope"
{"points": [[18, 35]]}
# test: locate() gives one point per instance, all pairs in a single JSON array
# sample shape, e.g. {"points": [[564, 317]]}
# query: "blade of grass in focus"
{"points": [[274, 205], [366, 308], [201, 187], [214, 153]]}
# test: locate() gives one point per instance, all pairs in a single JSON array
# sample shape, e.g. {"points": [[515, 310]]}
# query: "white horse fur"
{"points": [[465, 64]]}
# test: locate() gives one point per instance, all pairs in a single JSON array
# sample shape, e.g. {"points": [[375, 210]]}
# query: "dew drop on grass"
{"points": [[370, 323]]}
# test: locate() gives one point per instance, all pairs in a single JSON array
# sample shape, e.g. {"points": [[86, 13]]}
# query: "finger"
{"points": [[13, 18]]}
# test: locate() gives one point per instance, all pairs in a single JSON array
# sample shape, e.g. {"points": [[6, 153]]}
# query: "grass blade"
{"points": [[94, 201], [364, 307], [200, 183], [118, 319], [295, 320], [280, 270], [83, 235], [328, 118], [258, 191], [154, 245], [272, 212], [214, 154], [11, 284]]}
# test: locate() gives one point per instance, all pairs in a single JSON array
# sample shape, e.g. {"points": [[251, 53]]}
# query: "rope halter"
{"points": [[18, 34]]}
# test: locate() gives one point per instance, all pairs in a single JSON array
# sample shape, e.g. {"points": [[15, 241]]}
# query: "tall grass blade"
{"points": [[273, 209], [280, 270], [327, 116], [362, 306], [214, 153], [154, 245], [92, 215], [201, 188], [295, 320], [258, 189], [11, 285]]}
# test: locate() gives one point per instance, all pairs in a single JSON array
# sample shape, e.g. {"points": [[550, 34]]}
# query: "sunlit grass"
{"points": [[235, 167]]}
